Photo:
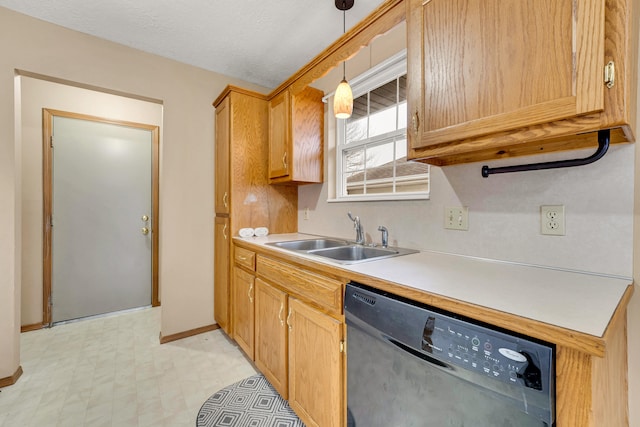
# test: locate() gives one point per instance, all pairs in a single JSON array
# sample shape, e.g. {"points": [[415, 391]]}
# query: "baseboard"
{"points": [[4, 382], [189, 333], [34, 327]]}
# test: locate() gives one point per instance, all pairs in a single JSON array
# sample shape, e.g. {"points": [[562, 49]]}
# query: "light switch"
{"points": [[456, 218]]}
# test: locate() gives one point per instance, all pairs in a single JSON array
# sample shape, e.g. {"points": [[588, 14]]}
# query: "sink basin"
{"points": [[340, 251], [353, 253], [310, 245]]}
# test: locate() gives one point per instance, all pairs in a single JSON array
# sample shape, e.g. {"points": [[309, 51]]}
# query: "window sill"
{"points": [[380, 198]]}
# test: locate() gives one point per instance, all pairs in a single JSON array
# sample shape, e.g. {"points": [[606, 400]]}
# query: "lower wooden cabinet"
{"points": [[289, 322], [271, 335], [298, 349], [221, 293], [315, 366], [243, 310]]}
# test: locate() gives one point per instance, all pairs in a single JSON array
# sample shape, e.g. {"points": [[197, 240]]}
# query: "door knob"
{"points": [[145, 230], [145, 218]]}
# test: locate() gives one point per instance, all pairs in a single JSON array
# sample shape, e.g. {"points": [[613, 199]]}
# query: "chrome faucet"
{"points": [[358, 227], [385, 236]]}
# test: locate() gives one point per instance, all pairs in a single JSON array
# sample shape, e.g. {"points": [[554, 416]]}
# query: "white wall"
{"points": [[504, 220], [10, 223], [37, 94], [186, 181]]}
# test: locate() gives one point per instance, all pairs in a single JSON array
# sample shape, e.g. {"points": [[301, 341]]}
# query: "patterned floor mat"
{"points": [[252, 402]]}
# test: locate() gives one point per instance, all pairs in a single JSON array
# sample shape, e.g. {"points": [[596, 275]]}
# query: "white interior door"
{"points": [[101, 256]]}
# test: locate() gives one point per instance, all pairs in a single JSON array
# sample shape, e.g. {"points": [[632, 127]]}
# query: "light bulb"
{"points": [[343, 101]]}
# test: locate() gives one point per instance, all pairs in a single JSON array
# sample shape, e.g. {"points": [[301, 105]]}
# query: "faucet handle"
{"points": [[358, 227], [385, 235]]}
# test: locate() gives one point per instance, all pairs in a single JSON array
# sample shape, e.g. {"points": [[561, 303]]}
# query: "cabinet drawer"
{"points": [[245, 258], [314, 288]]}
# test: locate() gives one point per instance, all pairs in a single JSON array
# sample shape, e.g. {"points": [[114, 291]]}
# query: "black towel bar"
{"points": [[604, 137]]}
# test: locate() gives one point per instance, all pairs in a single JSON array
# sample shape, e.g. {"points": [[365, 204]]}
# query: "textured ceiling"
{"points": [[260, 41]]}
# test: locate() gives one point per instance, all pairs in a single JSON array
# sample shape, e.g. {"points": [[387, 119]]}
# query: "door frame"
{"points": [[47, 186]]}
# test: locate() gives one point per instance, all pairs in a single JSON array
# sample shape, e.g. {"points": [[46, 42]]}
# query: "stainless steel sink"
{"points": [[355, 253], [310, 245], [341, 251]]}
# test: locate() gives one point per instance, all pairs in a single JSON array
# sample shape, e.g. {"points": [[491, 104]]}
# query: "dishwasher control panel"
{"points": [[473, 347]]}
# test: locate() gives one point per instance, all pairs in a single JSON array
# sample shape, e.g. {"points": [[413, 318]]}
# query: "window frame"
{"points": [[383, 73]]}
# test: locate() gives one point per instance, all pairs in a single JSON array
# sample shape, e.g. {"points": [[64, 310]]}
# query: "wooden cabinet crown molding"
{"points": [[231, 88], [386, 16]]}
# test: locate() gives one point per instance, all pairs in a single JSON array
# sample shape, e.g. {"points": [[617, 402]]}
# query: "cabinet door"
{"points": [[279, 135], [221, 273], [315, 366], [222, 146], [307, 136], [477, 67], [243, 310], [271, 335]]}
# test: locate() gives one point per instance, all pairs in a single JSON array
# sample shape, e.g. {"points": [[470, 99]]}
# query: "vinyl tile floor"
{"points": [[112, 371]]}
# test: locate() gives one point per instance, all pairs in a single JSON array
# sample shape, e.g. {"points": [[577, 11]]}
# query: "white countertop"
{"points": [[578, 301]]}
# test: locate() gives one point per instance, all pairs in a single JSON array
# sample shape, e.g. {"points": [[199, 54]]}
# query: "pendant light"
{"points": [[343, 98]]}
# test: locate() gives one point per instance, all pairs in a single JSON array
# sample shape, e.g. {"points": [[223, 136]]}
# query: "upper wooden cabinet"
{"points": [[279, 136], [222, 146], [242, 120], [296, 137], [496, 78]]}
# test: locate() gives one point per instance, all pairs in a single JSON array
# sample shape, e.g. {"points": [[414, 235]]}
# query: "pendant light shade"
{"points": [[343, 101], [343, 98]]}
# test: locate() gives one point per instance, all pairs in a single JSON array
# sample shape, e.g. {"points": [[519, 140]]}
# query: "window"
{"points": [[371, 154]]}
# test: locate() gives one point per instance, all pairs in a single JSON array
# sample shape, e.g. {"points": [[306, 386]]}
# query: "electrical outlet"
{"points": [[456, 218], [552, 220], [306, 214]]}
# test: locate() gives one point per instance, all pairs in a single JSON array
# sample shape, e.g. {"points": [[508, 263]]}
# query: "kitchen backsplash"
{"points": [[504, 213]]}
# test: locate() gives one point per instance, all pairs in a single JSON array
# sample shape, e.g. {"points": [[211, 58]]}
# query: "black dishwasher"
{"points": [[409, 364]]}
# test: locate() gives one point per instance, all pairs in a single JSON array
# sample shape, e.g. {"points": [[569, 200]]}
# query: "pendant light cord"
{"points": [[344, 30]]}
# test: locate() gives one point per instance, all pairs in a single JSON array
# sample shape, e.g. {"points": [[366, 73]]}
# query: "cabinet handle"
{"points": [[224, 231], [280, 314], [289, 319], [249, 293], [242, 258], [415, 122], [225, 199], [284, 160]]}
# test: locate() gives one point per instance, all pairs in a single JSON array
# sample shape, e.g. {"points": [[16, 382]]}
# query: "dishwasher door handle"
{"points": [[416, 353]]}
